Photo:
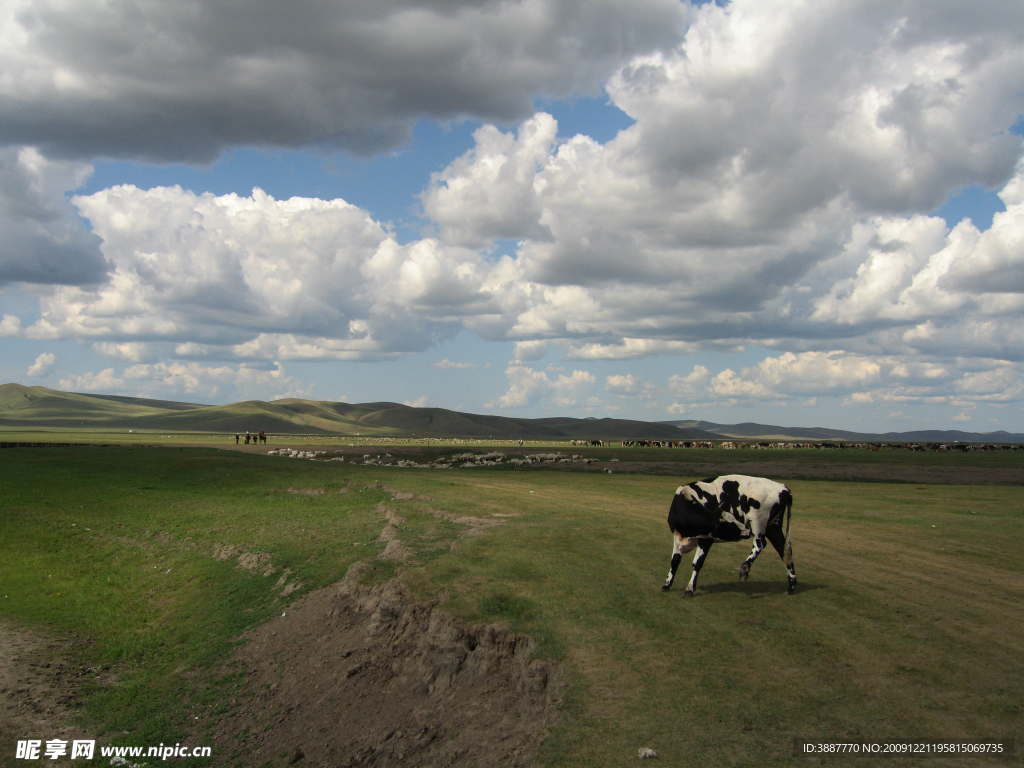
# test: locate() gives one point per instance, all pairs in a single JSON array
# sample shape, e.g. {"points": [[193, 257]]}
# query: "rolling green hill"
{"points": [[24, 407], [39, 407]]}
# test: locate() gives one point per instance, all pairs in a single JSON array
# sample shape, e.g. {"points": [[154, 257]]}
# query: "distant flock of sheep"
{"points": [[495, 458], [704, 444], [729, 444], [459, 460]]}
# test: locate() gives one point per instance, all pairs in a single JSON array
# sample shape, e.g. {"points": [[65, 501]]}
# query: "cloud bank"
{"points": [[42, 238], [773, 190], [183, 80]]}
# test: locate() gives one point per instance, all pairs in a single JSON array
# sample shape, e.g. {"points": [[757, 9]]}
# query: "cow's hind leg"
{"points": [[759, 544], [778, 540], [676, 557], [703, 546], [680, 547]]}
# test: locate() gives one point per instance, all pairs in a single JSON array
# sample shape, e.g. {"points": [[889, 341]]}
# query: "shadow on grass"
{"points": [[754, 588]]}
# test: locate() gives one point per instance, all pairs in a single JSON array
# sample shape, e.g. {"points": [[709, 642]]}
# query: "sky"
{"points": [[804, 214]]}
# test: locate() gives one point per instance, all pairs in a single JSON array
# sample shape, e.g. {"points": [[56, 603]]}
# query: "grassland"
{"points": [[906, 622]]}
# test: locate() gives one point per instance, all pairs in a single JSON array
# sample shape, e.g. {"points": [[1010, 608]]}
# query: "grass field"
{"points": [[906, 621]]}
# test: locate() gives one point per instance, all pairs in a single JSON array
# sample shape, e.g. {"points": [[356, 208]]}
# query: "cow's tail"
{"points": [[788, 557]]}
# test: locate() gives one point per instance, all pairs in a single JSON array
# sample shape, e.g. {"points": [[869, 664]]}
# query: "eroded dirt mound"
{"points": [[367, 676]]}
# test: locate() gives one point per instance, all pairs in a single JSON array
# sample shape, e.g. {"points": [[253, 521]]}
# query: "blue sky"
{"points": [[646, 210]]}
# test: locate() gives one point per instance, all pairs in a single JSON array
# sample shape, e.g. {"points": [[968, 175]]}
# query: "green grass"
{"points": [[898, 629], [120, 547]]}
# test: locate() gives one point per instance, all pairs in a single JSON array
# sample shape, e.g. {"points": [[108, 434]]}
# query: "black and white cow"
{"points": [[730, 508]]}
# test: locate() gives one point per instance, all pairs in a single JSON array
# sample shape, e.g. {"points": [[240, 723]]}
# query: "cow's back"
{"points": [[723, 507]]}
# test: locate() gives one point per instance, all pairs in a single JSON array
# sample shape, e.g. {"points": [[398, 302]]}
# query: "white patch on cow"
{"points": [[766, 492], [683, 545], [741, 526]]}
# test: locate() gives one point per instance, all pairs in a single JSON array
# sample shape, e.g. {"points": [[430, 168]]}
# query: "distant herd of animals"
{"points": [[727, 444]]}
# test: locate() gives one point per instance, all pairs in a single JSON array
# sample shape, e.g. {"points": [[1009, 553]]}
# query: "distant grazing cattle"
{"points": [[730, 508]]}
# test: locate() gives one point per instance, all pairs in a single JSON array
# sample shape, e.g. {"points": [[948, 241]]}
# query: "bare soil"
{"points": [[354, 675], [38, 687], [348, 675]]}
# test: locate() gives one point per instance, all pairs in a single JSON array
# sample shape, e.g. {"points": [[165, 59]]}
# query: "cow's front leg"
{"points": [[759, 544], [680, 547], [703, 546]]}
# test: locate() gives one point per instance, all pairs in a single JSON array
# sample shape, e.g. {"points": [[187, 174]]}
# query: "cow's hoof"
{"points": [[688, 593], [791, 590], [666, 587], [744, 573]]}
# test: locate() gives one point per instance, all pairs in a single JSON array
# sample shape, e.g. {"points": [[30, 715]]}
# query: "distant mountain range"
{"points": [[39, 407]]}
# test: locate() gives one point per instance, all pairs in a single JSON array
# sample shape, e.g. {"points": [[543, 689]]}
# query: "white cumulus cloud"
{"points": [[865, 379], [177, 379], [627, 384], [772, 149], [10, 325], [259, 278], [527, 387], [689, 385], [448, 365], [529, 351], [42, 365], [132, 351]]}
